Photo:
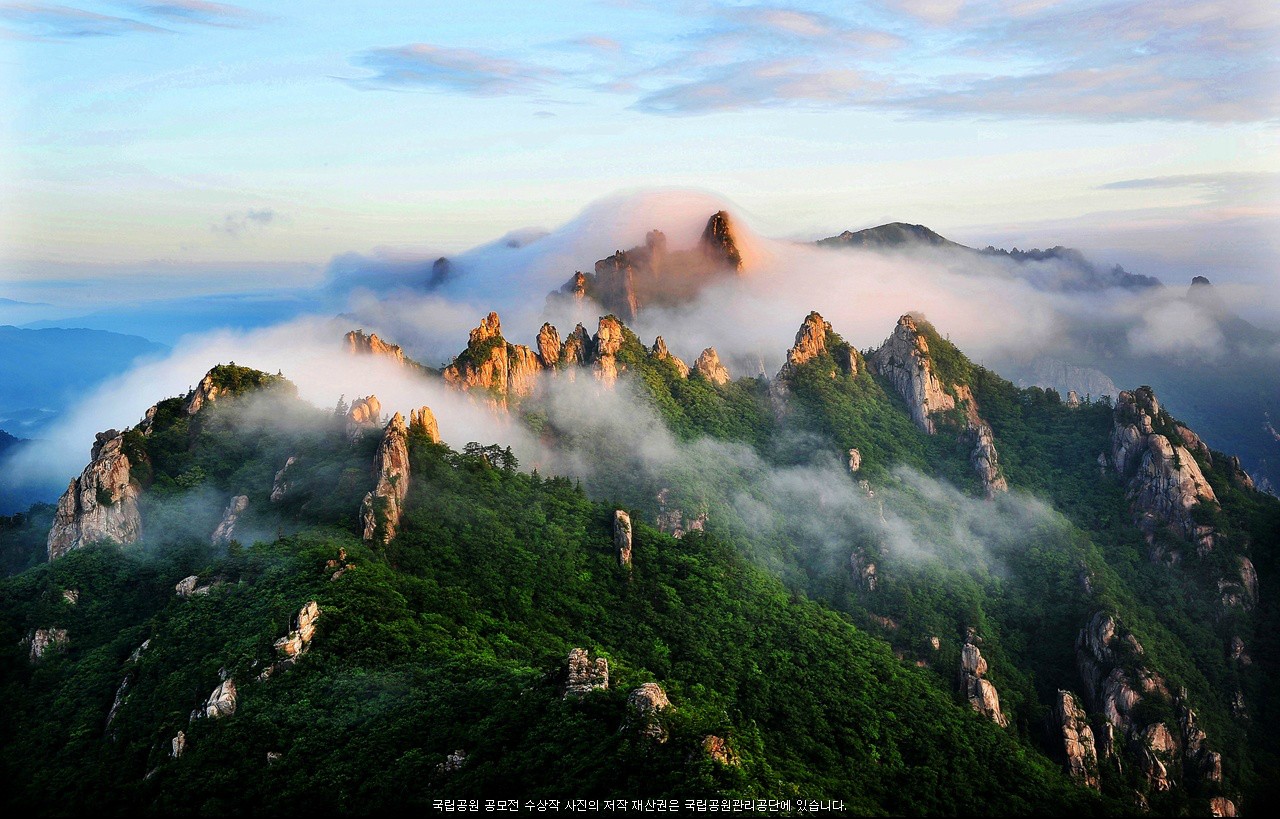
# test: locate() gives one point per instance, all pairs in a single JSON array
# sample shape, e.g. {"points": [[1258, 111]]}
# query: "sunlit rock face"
{"points": [[357, 343], [904, 359], [386, 501], [101, 505], [653, 274]]}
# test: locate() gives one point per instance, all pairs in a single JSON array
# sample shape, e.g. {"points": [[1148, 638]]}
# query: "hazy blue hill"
{"points": [[168, 320], [892, 235], [45, 371]]}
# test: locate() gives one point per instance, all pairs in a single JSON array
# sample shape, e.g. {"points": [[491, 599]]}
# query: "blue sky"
{"points": [[251, 143]]}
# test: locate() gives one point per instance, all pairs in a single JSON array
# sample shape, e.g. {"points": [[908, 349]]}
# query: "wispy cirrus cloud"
{"points": [[59, 22], [440, 68], [198, 12], [64, 22]]}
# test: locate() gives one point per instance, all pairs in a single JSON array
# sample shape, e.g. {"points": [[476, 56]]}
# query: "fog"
{"points": [[999, 311]]}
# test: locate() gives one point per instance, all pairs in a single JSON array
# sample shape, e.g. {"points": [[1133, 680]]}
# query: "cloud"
{"points": [[64, 22], [439, 68], [1234, 187], [197, 12], [236, 224], [42, 21], [765, 84]]}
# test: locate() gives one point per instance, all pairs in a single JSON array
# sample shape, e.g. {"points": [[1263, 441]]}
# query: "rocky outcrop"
{"points": [[358, 343], [585, 675], [645, 705], [660, 352], [381, 510], [280, 486], [1073, 399], [578, 348], [178, 745], [483, 365], [222, 702], [523, 365], [101, 505], [904, 360], [864, 569], [71, 596], [811, 342], [984, 459], [1164, 482], [709, 367], [227, 527], [189, 587], [622, 537], [365, 412], [205, 393], [294, 644], [719, 751], [45, 640], [122, 691], [980, 693], [653, 274], [719, 244], [1071, 725], [672, 520], [549, 346], [608, 342], [1118, 680], [453, 763], [855, 461], [422, 421]]}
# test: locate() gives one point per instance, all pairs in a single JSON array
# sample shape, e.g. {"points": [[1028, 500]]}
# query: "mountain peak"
{"points": [[891, 235]]}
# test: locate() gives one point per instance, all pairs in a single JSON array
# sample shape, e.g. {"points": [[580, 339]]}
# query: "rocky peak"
{"points": [[585, 675], [490, 327], [101, 504], [578, 347], [381, 509], [660, 352], [422, 421], [1164, 481], [904, 360], [221, 703], [709, 367], [811, 342], [718, 242], [549, 345], [359, 344], [226, 528]]}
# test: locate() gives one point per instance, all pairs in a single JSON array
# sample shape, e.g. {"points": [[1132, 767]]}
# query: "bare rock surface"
{"points": [[101, 505]]}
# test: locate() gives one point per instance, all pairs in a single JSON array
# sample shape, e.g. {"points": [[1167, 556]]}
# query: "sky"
{"points": [[193, 145]]}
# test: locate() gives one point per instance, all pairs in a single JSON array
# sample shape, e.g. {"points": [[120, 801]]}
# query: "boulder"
{"points": [[644, 706]]}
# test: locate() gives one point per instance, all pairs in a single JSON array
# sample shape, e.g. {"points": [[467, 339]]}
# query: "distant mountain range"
{"points": [[1081, 274]]}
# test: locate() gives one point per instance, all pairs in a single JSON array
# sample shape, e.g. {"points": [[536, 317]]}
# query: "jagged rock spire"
{"points": [[358, 343], [386, 501], [718, 241], [709, 366], [101, 504], [422, 421]]}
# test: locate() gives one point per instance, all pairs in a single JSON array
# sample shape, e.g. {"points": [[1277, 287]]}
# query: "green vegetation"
{"points": [[455, 634]]}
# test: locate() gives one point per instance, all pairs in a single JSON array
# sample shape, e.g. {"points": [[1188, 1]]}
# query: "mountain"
{"points": [[43, 371], [887, 578], [892, 235], [7, 441]]}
